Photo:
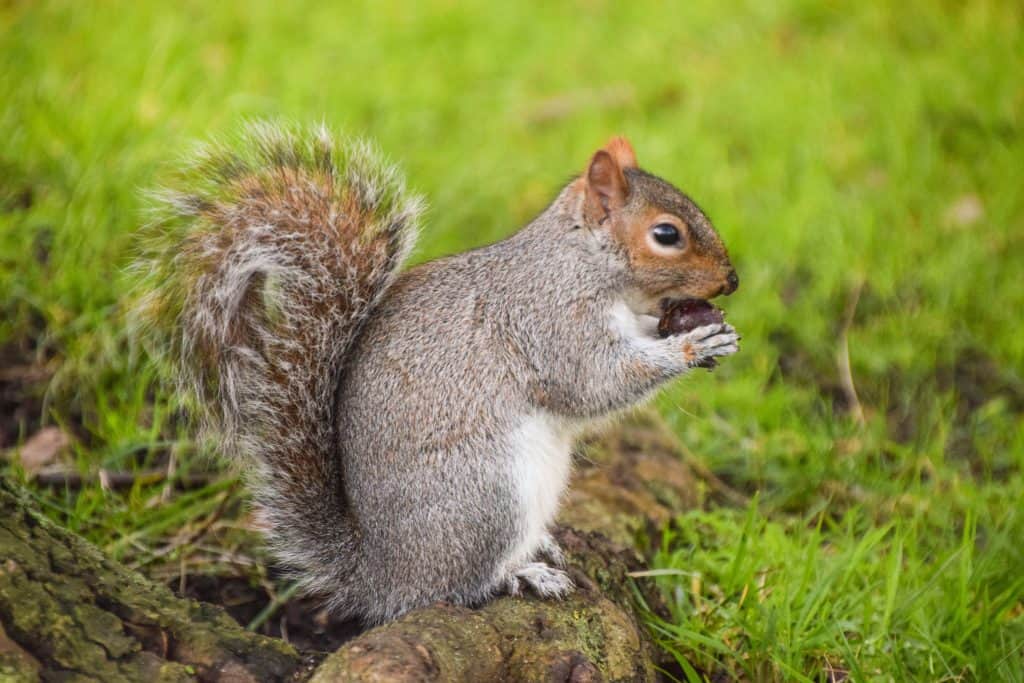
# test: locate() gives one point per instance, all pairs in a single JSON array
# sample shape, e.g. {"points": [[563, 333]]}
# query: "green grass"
{"points": [[863, 161]]}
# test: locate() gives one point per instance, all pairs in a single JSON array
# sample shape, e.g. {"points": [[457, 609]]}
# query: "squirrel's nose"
{"points": [[732, 281]]}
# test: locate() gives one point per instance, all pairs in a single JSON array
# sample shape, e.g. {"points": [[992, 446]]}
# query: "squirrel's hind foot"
{"points": [[545, 581]]}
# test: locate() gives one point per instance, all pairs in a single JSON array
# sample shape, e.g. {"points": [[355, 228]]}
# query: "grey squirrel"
{"points": [[407, 434]]}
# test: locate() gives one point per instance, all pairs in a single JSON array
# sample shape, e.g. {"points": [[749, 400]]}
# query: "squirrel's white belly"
{"points": [[541, 463]]}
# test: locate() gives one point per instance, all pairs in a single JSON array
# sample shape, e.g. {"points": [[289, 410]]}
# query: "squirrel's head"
{"points": [[672, 249]]}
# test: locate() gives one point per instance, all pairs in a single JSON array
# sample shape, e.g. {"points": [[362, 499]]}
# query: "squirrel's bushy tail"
{"points": [[267, 256]]}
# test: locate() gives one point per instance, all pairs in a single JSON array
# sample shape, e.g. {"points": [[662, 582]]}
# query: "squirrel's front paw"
{"points": [[703, 344], [546, 582]]}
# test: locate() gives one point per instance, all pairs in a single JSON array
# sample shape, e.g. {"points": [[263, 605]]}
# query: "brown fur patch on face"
{"points": [[698, 268]]}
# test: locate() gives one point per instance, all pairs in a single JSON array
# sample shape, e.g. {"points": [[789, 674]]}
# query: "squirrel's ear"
{"points": [[605, 186], [622, 152]]}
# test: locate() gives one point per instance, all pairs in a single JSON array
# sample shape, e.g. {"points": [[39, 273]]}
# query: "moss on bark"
{"points": [[69, 613]]}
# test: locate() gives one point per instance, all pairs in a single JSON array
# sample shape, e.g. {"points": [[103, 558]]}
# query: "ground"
{"points": [[863, 452]]}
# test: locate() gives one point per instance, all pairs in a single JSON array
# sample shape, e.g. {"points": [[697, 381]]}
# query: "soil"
{"points": [[23, 377], [299, 621]]}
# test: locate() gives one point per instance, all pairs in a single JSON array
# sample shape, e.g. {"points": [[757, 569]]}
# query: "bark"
{"points": [[69, 613]]}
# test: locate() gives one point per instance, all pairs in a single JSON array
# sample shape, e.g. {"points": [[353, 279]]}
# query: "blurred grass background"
{"points": [[863, 161]]}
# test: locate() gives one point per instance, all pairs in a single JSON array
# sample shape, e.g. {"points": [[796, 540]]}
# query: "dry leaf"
{"points": [[42, 449], [965, 211]]}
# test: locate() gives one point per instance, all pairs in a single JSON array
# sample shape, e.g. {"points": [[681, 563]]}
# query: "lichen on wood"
{"points": [[70, 613]]}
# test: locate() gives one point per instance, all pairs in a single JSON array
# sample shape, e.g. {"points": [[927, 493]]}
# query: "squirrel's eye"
{"points": [[666, 234]]}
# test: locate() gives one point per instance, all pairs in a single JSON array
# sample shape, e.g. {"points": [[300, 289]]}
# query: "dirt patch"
{"points": [[976, 378], [25, 366], [17, 192], [24, 373], [299, 621], [972, 379], [798, 366], [910, 397]]}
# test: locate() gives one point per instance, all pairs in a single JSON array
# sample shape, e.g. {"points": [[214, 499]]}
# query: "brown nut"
{"points": [[683, 315]]}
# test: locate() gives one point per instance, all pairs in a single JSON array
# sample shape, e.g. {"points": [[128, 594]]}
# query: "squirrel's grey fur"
{"points": [[408, 434]]}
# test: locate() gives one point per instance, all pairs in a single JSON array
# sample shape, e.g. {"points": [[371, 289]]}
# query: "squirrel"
{"points": [[407, 433]]}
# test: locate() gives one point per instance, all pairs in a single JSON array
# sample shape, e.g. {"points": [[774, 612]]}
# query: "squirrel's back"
{"points": [[269, 253]]}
